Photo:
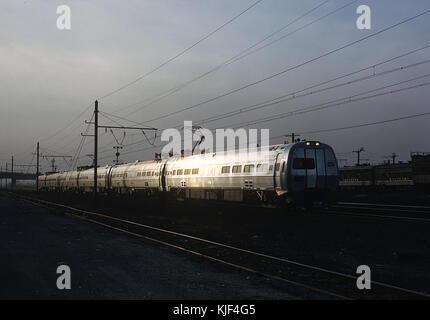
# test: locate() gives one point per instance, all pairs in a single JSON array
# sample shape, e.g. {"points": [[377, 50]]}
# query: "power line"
{"points": [[284, 71], [160, 96], [383, 30], [180, 53], [294, 94], [292, 32], [366, 124], [346, 101], [338, 102], [68, 125], [404, 21], [63, 128]]}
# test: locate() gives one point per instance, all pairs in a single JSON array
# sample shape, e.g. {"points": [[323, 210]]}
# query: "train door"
{"points": [[276, 174], [108, 179], [283, 175], [163, 176], [320, 158], [310, 168]]}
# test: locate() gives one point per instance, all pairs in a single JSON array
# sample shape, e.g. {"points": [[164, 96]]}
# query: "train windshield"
{"points": [[303, 163], [311, 166]]}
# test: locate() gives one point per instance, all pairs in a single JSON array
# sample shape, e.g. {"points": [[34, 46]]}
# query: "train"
{"points": [[413, 175], [300, 173]]}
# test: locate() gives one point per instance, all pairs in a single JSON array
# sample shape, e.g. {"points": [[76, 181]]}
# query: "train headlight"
{"points": [[317, 144], [308, 143]]}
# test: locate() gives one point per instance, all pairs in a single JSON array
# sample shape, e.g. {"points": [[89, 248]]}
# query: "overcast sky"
{"points": [[50, 76]]}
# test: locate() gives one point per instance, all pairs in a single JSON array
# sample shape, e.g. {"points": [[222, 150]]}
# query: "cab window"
{"points": [[303, 163]]}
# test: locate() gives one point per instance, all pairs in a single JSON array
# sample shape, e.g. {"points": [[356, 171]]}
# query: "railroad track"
{"points": [[383, 211], [313, 281]]}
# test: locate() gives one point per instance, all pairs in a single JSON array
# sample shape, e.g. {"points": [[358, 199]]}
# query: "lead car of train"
{"points": [[302, 173]]}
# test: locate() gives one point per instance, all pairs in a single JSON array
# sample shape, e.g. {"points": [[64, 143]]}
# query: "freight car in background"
{"points": [[413, 175]]}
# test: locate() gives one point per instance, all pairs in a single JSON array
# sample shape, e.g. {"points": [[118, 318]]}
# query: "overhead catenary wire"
{"points": [[288, 69], [155, 69], [164, 94], [338, 102], [299, 93], [423, 13], [344, 102], [404, 21], [296, 94], [331, 103], [180, 53], [365, 124], [62, 128]]}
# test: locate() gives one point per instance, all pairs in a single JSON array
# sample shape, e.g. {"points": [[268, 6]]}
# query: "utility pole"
{"points": [[394, 156], [293, 136], [37, 168], [6, 176], [11, 181], [96, 128], [358, 154], [1, 179], [53, 167], [96, 136]]}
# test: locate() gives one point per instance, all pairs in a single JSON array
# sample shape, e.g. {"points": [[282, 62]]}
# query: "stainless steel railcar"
{"points": [[302, 173]]}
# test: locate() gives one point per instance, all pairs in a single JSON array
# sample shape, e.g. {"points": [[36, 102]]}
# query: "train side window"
{"points": [[271, 167], [180, 172], [196, 171], [237, 169], [248, 168], [174, 172], [187, 171], [277, 166], [225, 169]]}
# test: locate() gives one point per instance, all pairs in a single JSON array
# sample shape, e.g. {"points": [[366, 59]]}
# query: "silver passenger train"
{"points": [[301, 173]]}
